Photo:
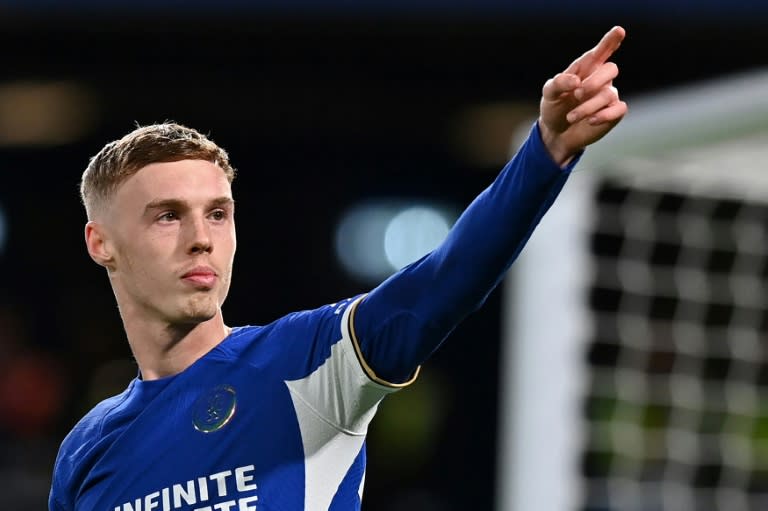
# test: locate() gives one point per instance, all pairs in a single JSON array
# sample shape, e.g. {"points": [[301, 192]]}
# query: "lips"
{"points": [[200, 276]]}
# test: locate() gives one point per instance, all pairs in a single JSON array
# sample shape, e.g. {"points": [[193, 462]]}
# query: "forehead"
{"points": [[189, 180]]}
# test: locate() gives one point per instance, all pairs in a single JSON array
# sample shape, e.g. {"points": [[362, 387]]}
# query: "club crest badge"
{"points": [[214, 409]]}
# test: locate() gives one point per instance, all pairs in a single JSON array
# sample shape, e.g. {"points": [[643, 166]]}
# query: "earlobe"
{"points": [[98, 245]]}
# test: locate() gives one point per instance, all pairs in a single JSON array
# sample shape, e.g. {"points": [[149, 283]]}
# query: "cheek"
{"points": [[234, 244], [233, 237], [228, 241], [143, 254]]}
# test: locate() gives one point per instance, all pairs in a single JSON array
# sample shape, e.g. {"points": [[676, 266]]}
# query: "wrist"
{"points": [[560, 153]]}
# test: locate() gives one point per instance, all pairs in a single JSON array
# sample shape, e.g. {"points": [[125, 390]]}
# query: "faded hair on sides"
{"points": [[156, 143]]}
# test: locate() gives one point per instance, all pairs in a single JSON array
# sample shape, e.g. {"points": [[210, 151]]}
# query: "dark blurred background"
{"points": [[321, 105]]}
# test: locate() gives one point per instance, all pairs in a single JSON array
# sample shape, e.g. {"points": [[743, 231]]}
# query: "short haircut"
{"points": [[156, 143]]}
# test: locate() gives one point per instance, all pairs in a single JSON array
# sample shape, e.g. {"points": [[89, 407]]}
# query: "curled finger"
{"points": [[602, 76], [561, 83], [604, 97], [612, 113]]}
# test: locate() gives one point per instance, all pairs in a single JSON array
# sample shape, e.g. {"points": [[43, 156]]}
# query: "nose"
{"points": [[199, 236]]}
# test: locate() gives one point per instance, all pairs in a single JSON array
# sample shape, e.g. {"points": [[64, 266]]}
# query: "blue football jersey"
{"points": [[273, 418]]}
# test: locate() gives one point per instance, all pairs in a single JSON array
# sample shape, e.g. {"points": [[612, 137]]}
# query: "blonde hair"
{"points": [[156, 143]]}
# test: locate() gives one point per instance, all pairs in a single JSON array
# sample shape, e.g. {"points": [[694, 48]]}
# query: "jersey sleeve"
{"points": [[403, 320], [328, 376]]}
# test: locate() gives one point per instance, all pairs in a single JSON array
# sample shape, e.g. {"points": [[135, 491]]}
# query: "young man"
{"points": [[275, 417]]}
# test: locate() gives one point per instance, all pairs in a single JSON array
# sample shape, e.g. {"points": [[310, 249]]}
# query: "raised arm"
{"points": [[403, 320]]}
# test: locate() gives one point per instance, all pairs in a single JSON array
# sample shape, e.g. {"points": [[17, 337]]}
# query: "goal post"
{"points": [[634, 364]]}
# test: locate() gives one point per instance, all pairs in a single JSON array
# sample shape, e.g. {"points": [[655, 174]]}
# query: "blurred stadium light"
{"points": [[633, 362], [376, 238], [481, 131], [412, 233], [44, 113]]}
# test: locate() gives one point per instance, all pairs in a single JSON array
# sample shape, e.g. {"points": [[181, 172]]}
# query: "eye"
{"points": [[218, 214], [168, 216]]}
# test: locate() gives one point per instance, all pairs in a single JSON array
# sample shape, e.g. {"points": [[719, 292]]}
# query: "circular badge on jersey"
{"points": [[214, 409]]}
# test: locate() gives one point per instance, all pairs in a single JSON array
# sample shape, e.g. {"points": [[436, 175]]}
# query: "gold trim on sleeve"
{"points": [[366, 368]]}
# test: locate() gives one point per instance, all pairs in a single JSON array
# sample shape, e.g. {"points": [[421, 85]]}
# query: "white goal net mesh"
{"points": [[676, 400]]}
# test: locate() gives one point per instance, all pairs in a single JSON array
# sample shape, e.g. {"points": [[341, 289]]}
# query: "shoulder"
{"points": [[325, 324], [328, 314], [83, 441], [294, 344], [90, 428], [295, 325]]}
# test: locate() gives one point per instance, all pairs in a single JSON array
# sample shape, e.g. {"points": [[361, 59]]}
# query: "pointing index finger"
{"points": [[590, 60]]}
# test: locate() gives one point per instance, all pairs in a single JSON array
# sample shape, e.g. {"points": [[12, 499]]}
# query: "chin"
{"points": [[200, 317], [198, 312]]}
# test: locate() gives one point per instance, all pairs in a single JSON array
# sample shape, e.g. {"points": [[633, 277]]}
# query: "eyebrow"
{"points": [[179, 204]]}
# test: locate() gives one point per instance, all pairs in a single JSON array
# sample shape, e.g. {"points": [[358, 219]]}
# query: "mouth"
{"points": [[200, 276]]}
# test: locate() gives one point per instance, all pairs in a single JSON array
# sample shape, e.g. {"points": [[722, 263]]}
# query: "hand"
{"points": [[580, 105]]}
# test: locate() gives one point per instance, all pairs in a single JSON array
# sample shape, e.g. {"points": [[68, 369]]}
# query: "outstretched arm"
{"points": [[401, 322]]}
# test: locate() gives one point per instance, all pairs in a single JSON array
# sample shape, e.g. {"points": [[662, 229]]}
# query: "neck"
{"points": [[162, 349]]}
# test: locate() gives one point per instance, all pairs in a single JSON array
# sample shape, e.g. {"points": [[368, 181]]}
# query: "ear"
{"points": [[99, 247]]}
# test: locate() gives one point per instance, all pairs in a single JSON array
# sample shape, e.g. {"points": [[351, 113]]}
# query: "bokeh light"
{"points": [[413, 233], [376, 238]]}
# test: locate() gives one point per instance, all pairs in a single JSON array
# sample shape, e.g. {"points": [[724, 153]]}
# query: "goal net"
{"points": [[636, 371], [675, 406]]}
